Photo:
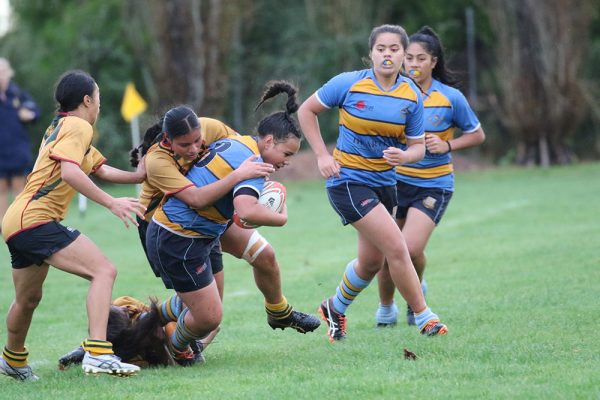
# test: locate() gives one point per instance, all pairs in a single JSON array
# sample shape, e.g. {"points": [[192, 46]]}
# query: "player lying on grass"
{"points": [[139, 333]]}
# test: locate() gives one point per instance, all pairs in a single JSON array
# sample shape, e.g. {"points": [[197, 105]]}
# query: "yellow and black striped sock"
{"points": [[97, 347], [280, 310], [16, 359]]}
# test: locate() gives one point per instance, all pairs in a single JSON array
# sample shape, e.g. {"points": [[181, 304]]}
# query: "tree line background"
{"points": [[534, 81]]}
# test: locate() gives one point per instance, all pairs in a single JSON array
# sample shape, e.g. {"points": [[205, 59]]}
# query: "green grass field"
{"points": [[513, 270]]}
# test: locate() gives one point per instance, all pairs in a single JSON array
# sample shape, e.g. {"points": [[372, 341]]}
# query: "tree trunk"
{"points": [[541, 100]]}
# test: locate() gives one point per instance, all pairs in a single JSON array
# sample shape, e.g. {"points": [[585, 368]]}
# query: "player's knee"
{"points": [[205, 322], [266, 260], [106, 271], [258, 250], [31, 300], [214, 320], [417, 257], [371, 267], [268, 255]]}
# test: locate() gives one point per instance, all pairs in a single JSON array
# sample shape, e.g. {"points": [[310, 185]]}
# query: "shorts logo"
{"points": [[200, 269], [366, 202], [429, 202], [70, 229]]}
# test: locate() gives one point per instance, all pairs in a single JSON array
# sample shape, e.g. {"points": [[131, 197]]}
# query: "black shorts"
{"points": [[432, 201], [184, 263], [35, 245], [353, 201], [216, 256]]}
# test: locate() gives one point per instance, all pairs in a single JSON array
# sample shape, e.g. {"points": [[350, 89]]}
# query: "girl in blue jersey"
{"points": [[381, 127], [180, 238], [425, 188]]}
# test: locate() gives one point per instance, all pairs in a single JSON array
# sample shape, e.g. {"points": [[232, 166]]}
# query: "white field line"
{"points": [[239, 293]]}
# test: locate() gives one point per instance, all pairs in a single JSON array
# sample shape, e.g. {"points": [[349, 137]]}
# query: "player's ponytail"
{"points": [[280, 124], [152, 135]]}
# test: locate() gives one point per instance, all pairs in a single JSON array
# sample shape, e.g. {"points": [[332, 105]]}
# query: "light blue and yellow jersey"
{"points": [[446, 108], [222, 158], [371, 120]]}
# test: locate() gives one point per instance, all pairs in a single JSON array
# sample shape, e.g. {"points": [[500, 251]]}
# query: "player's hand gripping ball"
{"points": [[272, 196]]}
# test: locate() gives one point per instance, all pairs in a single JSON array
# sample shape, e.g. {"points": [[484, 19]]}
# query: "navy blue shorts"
{"points": [[35, 245], [183, 263], [432, 201], [216, 255], [353, 201], [14, 172]]}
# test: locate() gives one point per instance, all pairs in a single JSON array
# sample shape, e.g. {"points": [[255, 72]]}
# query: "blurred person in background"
{"points": [[17, 109], [424, 188]]}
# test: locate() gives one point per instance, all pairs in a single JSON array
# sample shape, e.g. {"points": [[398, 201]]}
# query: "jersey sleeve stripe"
{"points": [[57, 158], [178, 190], [97, 167]]}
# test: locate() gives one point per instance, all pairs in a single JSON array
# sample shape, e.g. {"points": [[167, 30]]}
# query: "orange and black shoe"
{"points": [[185, 358], [297, 320], [434, 328], [335, 321]]}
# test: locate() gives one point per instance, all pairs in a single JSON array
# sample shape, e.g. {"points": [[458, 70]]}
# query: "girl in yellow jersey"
{"points": [[36, 239]]}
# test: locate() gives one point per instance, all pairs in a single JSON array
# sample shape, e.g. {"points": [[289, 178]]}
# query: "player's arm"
{"points": [[204, 196], [120, 206], [251, 211], [307, 116], [115, 175]]}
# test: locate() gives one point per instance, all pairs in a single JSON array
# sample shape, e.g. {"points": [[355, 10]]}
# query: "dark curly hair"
{"points": [[280, 124], [143, 337]]}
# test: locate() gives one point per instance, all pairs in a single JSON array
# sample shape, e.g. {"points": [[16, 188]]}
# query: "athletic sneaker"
{"points": [[296, 320], [185, 358], [73, 357], [21, 374], [335, 321], [107, 364], [386, 316], [197, 348], [434, 328]]}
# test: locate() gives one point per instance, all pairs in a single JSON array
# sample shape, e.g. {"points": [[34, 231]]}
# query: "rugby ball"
{"points": [[272, 196]]}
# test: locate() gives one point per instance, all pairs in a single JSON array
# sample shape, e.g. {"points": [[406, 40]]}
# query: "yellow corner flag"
{"points": [[133, 104]]}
